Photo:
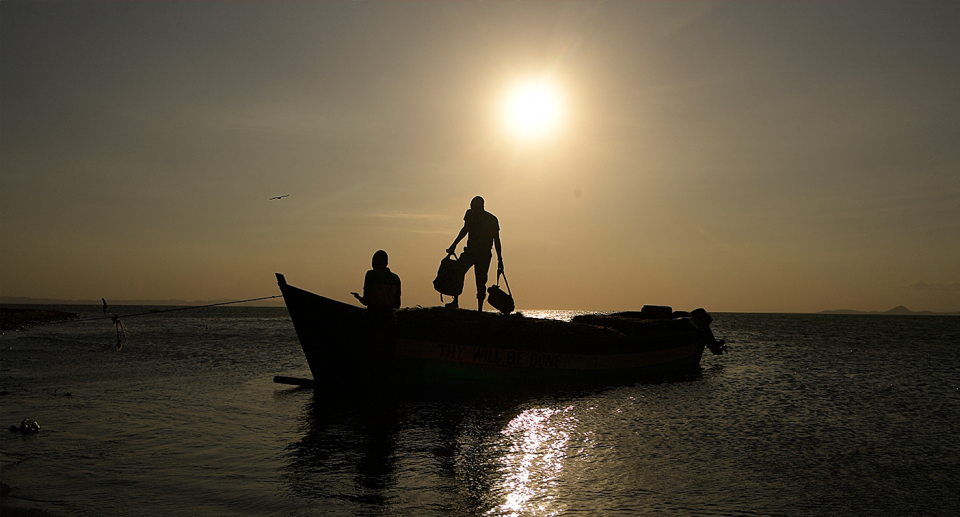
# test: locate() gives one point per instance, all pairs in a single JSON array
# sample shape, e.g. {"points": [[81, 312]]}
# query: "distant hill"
{"points": [[22, 300], [898, 310]]}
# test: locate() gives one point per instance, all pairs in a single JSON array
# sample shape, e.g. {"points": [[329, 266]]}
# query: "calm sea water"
{"points": [[808, 415]]}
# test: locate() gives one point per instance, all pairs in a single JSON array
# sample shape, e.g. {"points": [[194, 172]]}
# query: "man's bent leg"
{"points": [[465, 261], [481, 267]]}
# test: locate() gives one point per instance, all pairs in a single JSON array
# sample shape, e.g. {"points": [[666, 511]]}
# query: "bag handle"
{"points": [[504, 275]]}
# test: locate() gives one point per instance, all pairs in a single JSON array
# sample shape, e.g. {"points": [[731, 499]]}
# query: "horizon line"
{"points": [[26, 300]]}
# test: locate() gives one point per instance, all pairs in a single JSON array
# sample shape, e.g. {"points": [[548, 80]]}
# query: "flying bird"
{"points": [[279, 197]]}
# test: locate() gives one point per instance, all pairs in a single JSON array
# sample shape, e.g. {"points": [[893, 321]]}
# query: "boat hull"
{"points": [[439, 344]]}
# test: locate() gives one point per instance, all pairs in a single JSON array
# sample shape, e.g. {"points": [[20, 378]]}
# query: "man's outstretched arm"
{"points": [[460, 236]]}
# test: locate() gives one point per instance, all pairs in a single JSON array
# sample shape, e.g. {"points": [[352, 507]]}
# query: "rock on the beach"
{"points": [[29, 426]]}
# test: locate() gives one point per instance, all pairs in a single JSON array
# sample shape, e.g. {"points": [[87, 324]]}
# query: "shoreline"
{"points": [[19, 319]]}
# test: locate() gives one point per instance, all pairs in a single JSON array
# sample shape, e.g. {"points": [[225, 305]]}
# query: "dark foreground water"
{"points": [[808, 415]]}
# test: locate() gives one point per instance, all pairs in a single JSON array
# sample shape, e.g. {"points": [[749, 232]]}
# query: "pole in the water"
{"points": [[296, 381]]}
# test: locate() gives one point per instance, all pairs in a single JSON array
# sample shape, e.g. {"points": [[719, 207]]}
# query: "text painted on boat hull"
{"points": [[498, 356]]}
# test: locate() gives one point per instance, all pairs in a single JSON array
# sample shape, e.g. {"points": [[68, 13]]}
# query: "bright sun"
{"points": [[533, 109]]}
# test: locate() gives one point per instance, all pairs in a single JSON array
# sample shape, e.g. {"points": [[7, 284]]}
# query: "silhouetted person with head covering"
{"points": [[381, 288], [381, 295], [483, 229]]}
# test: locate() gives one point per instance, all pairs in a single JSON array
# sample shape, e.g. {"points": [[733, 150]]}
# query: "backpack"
{"points": [[449, 279]]}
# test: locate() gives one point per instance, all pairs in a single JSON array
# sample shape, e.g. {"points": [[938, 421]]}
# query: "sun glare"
{"points": [[533, 109]]}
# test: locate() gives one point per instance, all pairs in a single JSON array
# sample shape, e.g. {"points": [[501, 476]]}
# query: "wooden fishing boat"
{"points": [[438, 343]]}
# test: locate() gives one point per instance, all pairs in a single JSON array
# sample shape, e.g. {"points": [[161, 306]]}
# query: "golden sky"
{"points": [[788, 156]]}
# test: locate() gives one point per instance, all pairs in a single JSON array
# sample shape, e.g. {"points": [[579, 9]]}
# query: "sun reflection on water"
{"points": [[535, 446], [552, 314]]}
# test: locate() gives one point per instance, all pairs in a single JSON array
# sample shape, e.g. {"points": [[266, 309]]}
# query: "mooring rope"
{"points": [[159, 311], [190, 307], [122, 330]]}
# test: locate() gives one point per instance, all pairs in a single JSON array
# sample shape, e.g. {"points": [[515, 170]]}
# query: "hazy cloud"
{"points": [[921, 286], [713, 144], [405, 215]]}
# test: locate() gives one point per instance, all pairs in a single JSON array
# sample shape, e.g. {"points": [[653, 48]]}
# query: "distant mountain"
{"points": [[899, 310]]}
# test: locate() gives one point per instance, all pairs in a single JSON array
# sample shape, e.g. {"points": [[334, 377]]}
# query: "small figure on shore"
{"points": [[483, 229], [104, 300], [381, 289]]}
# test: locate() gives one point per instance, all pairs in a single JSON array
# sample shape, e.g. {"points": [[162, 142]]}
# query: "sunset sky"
{"points": [[774, 156]]}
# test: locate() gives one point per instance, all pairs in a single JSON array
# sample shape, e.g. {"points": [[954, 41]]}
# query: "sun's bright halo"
{"points": [[533, 108]]}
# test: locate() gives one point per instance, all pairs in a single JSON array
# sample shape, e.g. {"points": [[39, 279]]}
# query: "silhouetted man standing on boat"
{"points": [[381, 290], [483, 229]]}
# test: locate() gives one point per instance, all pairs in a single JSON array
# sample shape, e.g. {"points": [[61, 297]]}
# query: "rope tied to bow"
{"points": [[122, 330]]}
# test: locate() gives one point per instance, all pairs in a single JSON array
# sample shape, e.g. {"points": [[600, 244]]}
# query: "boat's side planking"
{"points": [[529, 359]]}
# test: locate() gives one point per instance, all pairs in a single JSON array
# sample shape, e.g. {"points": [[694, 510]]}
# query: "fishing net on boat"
{"points": [[514, 331], [637, 327]]}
